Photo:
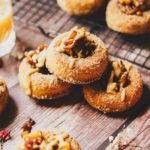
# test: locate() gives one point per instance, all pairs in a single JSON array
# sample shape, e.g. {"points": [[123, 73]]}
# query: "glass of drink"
{"points": [[7, 34]]}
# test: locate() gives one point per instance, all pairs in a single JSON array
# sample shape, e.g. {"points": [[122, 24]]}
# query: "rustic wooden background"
{"points": [[39, 22]]}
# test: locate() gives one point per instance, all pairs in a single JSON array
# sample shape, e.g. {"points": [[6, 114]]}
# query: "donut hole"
{"points": [[44, 70]]}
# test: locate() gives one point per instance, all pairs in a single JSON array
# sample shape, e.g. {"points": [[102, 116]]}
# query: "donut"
{"points": [[77, 57], [126, 17], [120, 88], [80, 7], [3, 95], [48, 139], [36, 80]]}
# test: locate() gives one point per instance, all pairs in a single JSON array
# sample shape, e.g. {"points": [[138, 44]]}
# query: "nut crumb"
{"points": [[122, 140], [27, 126], [111, 138]]}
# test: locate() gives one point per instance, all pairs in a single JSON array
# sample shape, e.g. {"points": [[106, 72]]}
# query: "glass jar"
{"points": [[7, 33]]}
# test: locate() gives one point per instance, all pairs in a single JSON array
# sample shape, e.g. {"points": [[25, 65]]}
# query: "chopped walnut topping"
{"points": [[30, 61], [41, 59], [123, 79], [112, 87], [118, 68], [76, 44], [37, 58], [47, 140], [41, 47], [118, 78], [131, 7]]}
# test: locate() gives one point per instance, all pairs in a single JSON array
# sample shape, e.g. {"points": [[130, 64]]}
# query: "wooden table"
{"points": [[72, 113]]}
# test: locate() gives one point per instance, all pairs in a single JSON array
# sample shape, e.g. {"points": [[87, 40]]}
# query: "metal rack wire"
{"points": [[51, 20]]}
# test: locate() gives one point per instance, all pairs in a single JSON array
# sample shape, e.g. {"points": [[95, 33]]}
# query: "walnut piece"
{"points": [[112, 87], [123, 79]]}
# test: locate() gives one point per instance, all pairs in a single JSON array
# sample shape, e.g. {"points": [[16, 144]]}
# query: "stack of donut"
{"points": [[79, 57]]}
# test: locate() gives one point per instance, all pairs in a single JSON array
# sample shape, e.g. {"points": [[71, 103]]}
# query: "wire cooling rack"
{"points": [[51, 20]]}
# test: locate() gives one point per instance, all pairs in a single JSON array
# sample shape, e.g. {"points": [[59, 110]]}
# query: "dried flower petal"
{"points": [[4, 136]]}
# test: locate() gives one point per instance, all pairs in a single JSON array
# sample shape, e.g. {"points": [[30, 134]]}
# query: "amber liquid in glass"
{"points": [[7, 34]]}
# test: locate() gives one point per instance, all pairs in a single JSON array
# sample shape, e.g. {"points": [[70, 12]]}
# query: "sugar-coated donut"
{"points": [[80, 7], [3, 95], [120, 88], [35, 79], [77, 57], [49, 139], [126, 20]]}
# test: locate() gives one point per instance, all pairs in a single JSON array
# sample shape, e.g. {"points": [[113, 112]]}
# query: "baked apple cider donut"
{"points": [[77, 57], [48, 139], [120, 88], [129, 16], [80, 7], [36, 80], [3, 95]]}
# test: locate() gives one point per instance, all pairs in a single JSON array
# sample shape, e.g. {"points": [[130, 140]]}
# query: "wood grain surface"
{"points": [[90, 127]]}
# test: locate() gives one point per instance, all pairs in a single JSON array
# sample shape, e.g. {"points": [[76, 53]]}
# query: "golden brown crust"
{"points": [[80, 7], [108, 102], [41, 86], [3, 95], [77, 70], [129, 24], [51, 139]]}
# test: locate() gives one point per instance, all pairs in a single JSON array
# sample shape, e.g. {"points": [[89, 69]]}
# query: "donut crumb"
{"points": [[111, 138]]}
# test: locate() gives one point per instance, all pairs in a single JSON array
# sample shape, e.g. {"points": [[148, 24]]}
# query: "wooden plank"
{"points": [[138, 121], [72, 113]]}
